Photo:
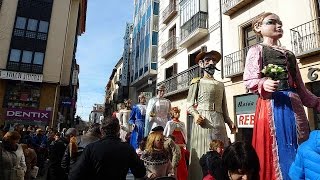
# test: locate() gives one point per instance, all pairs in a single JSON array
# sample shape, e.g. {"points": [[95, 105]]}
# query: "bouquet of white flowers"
{"points": [[274, 72]]}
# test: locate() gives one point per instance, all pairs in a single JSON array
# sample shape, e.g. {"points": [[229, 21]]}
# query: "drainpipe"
{"points": [[221, 39]]}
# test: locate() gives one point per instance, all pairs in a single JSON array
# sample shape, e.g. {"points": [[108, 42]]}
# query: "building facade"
{"points": [[96, 115], [37, 58], [188, 26], [144, 46]]}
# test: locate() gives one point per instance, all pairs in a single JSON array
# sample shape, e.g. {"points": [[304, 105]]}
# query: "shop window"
{"points": [[21, 94]]}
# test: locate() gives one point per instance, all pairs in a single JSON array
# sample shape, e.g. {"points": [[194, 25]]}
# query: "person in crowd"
{"points": [[177, 129], [13, 165], [170, 146], [280, 122], [30, 159], [40, 145], [240, 161], [123, 117], [92, 135], [113, 157], [71, 148], [63, 132], [158, 111], [211, 162], [211, 112], [27, 137], [156, 158], [307, 161], [137, 120], [57, 148], [142, 146]]}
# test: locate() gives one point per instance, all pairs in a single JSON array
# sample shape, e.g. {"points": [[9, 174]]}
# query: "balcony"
{"points": [[233, 64], [169, 47], [305, 39], [169, 12], [24, 67], [180, 82], [194, 29], [231, 6]]}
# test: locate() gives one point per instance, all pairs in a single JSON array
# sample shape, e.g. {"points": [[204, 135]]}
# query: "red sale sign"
{"points": [[245, 120]]}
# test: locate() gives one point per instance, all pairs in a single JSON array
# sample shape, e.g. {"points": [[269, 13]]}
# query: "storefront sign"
{"points": [[28, 115], [20, 76], [313, 73], [245, 120], [245, 110]]}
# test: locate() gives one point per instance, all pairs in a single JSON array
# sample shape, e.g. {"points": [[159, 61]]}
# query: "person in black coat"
{"points": [[211, 162], [56, 151], [93, 134], [108, 158]]}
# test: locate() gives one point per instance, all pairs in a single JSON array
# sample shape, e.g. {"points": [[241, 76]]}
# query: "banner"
{"points": [[28, 115]]}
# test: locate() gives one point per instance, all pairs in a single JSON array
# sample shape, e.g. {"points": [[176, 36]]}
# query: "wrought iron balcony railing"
{"points": [[25, 67], [199, 20], [169, 47], [231, 6], [169, 12], [305, 38], [233, 64], [180, 82]]}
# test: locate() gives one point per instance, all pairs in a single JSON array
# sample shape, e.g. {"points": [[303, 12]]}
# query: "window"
{"points": [[171, 71], [43, 26], [25, 61], [31, 28], [172, 31], [155, 8], [38, 58], [15, 55], [250, 38], [26, 57], [22, 95], [21, 23], [32, 25]]}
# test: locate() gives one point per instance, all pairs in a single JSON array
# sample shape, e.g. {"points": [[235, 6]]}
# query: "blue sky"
{"points": [[100, 48]]}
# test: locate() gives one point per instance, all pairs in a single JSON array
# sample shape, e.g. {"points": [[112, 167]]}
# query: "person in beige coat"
{"points": [[12, 159]]}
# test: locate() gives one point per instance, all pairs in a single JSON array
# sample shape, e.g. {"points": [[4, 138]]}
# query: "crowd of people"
{"points": [[150, 141]]}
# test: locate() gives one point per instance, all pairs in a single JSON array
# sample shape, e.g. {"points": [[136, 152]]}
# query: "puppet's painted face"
{"points": [[208, 64]]}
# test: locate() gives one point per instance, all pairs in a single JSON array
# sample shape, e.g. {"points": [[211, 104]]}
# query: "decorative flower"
{"points": [[273, 71]]}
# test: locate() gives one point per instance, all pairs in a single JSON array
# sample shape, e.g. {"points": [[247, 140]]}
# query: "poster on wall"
{"points": [[245, 110]]}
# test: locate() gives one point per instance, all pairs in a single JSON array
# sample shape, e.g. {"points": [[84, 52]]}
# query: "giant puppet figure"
{"points": [[280, 120], [137, 120], [177, 129], [158, 111], [211, 112]]}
